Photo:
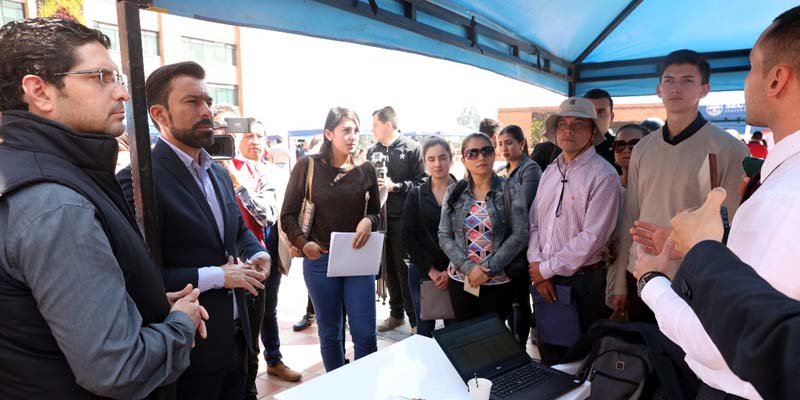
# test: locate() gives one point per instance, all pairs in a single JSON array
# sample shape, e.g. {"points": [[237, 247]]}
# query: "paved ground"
{"points": [[301, 349]]}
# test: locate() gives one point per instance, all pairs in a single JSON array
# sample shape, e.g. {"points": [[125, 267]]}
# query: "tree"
{"points": [[469, 117], [537, 127], [65, 9]]}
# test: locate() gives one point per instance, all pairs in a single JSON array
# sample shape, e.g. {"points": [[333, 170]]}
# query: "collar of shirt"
{"points": [[188, 161], [782, 151], [495, 184], [687, 133], [576, 162]]}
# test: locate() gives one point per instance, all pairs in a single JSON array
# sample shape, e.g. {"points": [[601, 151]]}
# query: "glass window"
{"points": [[10, 11], [111, 31], [224, 93], [208, 51], [150, 44]]}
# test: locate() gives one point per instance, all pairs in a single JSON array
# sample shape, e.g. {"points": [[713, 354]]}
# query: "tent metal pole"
{"points": [[610, 28], [130, 33]]}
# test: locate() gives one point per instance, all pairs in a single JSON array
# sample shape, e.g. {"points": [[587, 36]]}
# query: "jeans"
{"points": [[357, 294], [424, 327], [269, 326]]}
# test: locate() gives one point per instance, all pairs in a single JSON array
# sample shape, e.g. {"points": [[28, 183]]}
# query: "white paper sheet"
{"points": [[346, 261]]}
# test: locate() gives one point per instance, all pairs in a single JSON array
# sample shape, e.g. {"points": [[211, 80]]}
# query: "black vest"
{"points": [[36, 150]]}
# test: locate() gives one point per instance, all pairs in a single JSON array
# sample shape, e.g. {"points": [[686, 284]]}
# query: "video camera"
{"points": [[224, 146]]}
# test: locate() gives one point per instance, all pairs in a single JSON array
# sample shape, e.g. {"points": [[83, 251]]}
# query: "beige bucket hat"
{"points": [[573, 107]]}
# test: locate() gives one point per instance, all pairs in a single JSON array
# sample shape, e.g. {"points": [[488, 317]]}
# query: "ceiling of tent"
{"points": [[567, 46]]}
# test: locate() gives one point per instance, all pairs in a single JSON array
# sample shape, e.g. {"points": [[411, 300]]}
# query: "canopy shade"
{"points": [[566, 46]]}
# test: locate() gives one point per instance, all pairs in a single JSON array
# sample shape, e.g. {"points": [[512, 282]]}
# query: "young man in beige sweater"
{"points": [[667, 174]]}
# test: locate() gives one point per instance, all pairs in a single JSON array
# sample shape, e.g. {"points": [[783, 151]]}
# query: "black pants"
{"points": [[493, 299], [708, 393], [638, 311], [519, 319], [588, 291], [397, 273], [223, 385], [260, 308]]}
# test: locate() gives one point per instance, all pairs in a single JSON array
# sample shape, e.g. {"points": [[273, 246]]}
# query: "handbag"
{"points": [[434, 302], [518, 267], [307, 209]]}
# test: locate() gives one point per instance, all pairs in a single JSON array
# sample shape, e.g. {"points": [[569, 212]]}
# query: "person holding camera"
{"points": [[398, 161], [345, 199]]}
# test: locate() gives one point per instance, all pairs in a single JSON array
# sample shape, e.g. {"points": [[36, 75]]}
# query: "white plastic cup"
{"points": [[479, 389]]}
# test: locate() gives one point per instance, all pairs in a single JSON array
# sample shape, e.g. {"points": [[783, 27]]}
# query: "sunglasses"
{"points": [[621, 145], [472, 154]]}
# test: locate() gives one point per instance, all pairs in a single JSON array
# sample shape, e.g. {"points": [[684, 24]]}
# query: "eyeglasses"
{"points": [[472, 154], [107, 77], [574, 126], [621, 145]]}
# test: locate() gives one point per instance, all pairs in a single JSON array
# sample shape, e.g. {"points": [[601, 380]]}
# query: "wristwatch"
{"points": [[646, 278]]}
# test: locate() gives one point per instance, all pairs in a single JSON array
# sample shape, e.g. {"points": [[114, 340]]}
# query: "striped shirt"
{"points": [[574, 214]]}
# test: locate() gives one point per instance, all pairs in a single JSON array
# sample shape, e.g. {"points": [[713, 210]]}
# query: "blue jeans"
{"points": [[269, 325], [357, 294], [424, 326]]}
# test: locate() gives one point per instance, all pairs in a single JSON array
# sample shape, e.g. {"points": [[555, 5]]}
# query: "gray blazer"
{"points": [[452, 231]]}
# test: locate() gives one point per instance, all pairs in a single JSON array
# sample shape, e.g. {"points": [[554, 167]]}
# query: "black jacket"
{"points": [[189, 240], [36, 150], [404, 167], [421, 229], [755, 327]]}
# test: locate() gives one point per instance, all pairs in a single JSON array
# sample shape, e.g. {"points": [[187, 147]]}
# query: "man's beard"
{"points": [[194, 138]]}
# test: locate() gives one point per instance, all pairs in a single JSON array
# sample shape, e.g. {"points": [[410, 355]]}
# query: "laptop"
{"points": [[484, 346]]}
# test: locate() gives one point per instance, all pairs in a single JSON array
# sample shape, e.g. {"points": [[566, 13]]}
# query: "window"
{"points": [[111, 31], [224, 93], [208, 51], [150, 44], [10, 11]]}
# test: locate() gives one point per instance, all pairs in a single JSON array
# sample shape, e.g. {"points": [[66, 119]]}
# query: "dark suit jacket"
{"points": [[190, 240], [755, 327]]}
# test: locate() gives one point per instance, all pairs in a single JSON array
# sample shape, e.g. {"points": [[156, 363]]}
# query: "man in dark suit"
{"points": [[201, 230]]}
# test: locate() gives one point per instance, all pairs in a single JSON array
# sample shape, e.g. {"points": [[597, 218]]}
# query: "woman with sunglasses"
{"points": [[421, 226], [346, 200], [482, 229], [627, 137]]}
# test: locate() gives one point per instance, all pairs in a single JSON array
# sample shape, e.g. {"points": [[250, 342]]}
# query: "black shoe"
{"points": [[304, 322]]}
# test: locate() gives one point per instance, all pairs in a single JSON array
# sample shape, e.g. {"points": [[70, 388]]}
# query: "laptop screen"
{"points": [[483, 346]]}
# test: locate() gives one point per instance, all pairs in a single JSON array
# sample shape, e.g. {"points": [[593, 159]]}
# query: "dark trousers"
{"points": [[588, 292], [309, 306], [493, 299], [263, 315], [708, 393], [226, 384], [425, 327], [397, 273], [519, 318], [638, 311]]}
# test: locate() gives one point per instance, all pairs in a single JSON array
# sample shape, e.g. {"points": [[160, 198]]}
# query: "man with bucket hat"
{"points": [[571, 221]]}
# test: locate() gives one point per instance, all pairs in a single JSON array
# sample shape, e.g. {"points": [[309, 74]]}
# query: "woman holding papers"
{"points": [[421, 225], [483, 228], [345, 198]]}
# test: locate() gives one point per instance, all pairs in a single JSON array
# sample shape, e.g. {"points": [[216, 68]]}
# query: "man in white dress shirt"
{"points": [[765, 229]]}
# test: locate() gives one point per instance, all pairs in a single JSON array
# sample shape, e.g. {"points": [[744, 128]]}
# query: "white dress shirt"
{"points": [[764, 235]]}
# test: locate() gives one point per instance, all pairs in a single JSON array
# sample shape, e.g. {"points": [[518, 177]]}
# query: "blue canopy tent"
{"points": [[566, 46]]}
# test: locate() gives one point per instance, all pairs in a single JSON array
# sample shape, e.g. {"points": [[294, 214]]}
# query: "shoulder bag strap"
{"points": [[309, 178]]}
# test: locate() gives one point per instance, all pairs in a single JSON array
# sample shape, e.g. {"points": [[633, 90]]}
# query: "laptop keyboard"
{"points": [[518, 379]]}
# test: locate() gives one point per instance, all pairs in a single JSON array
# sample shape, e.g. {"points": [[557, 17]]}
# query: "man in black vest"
{"points": [[83, 305], [201, 230]]}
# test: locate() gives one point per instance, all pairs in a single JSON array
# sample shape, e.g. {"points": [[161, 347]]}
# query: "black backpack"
{"points": [[633, 360]]}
